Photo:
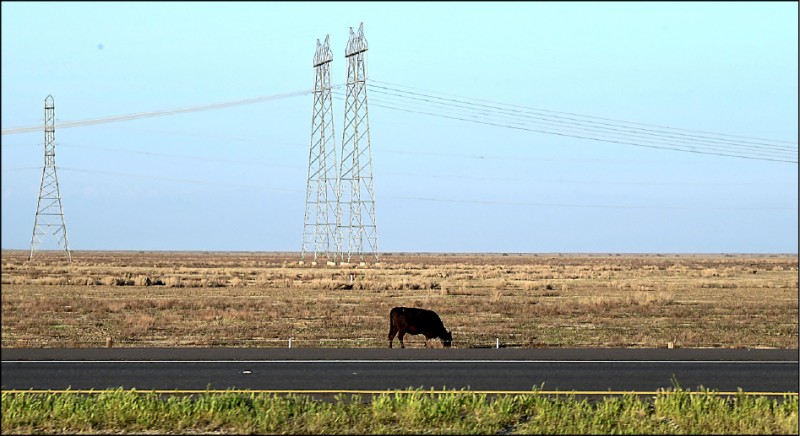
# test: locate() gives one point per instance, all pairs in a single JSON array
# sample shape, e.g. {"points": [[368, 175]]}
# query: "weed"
{"points": [[633, 300], [409, 411]]}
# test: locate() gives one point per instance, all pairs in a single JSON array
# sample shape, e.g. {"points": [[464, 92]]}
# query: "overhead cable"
{"points": [[448, 200], [589, 125], [585, 116], [161, 113], [719, 150]]}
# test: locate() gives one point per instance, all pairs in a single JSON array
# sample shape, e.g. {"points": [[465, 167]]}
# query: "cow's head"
{"points": [[447, 339]]}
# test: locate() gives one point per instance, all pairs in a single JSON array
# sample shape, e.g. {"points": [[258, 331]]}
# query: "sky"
{"points": [[494, 127]]}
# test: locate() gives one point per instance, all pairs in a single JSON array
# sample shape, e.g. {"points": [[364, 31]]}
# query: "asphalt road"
{"points": [[379, 369]]}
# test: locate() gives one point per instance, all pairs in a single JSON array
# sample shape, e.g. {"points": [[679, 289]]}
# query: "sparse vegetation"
{"points": [[404, 412], [261, 300]]}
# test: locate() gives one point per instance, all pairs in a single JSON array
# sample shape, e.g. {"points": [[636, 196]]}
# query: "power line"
{"points": [[380, 150], [5, 170], [480, 156], [587, 116], [672, 145], [174, 179], [457, 177], [520, 117], [161, 113], [441, 199], [592, 126], [588, 137], [511, 157], [577, 182], [178, 156], [584, 206], [755, 151], [640, 143]]}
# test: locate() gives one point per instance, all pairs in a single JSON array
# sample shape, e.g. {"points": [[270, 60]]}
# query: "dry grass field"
{"points": [[164, 299]]}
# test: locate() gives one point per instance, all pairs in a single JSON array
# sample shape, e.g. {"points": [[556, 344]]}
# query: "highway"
{"points": [[382, 369]]}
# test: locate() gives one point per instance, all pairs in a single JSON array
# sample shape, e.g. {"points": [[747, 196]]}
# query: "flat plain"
{"points": [[210, 299]]}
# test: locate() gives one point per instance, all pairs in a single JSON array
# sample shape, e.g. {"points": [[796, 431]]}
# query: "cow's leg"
{"points": [[392, 332], [400, 336]]}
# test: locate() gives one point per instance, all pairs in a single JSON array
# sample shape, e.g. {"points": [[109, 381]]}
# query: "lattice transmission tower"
{"points": [[49, 213], [319, 225], [356, 191]]}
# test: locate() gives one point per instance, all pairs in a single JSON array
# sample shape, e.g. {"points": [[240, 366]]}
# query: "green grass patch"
{"points": [[674, 411]]}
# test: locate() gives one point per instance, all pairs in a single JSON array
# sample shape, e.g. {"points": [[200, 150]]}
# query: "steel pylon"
{"points": [[49, 217], [356, 217], [319, 224]]}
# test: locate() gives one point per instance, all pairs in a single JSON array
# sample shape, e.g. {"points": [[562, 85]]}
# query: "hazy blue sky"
{"points": [[235, 178]]}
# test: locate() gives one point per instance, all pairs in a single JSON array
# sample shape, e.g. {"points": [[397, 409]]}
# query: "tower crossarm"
{"points": [[323, 54], [357, 42]]}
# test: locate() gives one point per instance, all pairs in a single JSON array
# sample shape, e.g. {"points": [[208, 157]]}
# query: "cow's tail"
{"points": [[392, 314], [391, 317]]}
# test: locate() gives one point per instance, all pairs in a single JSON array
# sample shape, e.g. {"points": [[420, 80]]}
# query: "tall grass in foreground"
{"points": [[412, 411]]}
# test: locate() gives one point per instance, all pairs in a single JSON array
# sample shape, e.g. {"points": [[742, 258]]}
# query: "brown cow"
{"points": [[415, 321]]}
